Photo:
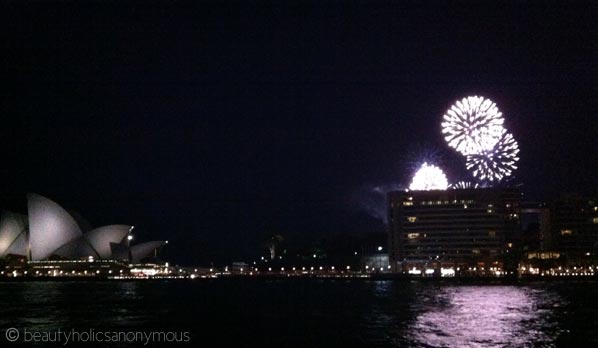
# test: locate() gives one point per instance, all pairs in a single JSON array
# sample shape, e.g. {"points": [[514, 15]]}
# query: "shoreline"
{"points": [[359, 277]]}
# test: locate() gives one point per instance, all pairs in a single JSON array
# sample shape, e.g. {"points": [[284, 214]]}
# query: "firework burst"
{"points": [[429, 177], [496, 163], [464, 185], [472, 125]]}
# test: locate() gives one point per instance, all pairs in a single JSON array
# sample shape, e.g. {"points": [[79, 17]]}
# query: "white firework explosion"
{"points": [[429, 177], [472, 125], [464, 185], [497, 163]]}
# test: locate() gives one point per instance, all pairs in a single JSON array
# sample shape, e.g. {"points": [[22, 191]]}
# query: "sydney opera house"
{"points": [[49, 234]]}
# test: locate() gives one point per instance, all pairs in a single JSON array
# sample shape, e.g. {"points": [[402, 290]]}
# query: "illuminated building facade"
{"points": [[458, 228]]}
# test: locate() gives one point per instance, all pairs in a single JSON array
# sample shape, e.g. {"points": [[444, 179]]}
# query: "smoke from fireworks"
{"points": [[496, 163], [472, 125], [372, 199], [429, 177]]}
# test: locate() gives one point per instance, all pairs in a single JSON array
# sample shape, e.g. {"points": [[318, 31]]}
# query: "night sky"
{"points": [[216, 124]]}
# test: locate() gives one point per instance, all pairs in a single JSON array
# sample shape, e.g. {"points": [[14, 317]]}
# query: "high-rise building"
{"points": [[472, 228], [574, 225], [535, 227]]}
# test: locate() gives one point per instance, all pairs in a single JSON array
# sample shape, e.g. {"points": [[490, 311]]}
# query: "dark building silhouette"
{"points": [[536, 234], [574, 223]]}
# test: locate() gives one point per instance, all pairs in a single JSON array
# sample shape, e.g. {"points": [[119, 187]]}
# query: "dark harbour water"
{"points": [[312, 312]]}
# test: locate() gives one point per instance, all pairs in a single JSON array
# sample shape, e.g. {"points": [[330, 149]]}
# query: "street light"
{"points": [[129, 239]]}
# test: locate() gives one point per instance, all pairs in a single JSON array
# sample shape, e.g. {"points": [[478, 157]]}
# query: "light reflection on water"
{"points": [[317, 313], [485, 316]]}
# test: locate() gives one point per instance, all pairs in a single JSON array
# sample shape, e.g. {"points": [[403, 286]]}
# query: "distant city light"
{"points": [[414, 271]]}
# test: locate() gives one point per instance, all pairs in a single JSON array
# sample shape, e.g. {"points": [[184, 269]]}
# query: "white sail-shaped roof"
{"points": [[101, 237], [50, 226], [13, 234], [143, 250], [76, 249]]}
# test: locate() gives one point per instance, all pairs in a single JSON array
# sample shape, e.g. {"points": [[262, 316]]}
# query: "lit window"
{"points": [[413, 235], [595, 220], [475, 251], [595, 208], [411, 218], [566, 232], [492, 233], [532, 255], [510, 245], [489, 211], [407, 203]]}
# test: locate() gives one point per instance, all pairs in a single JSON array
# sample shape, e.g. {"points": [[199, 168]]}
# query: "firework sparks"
{"points": [[472, 125], [464, 185], [429, 177], [496, 163]]}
